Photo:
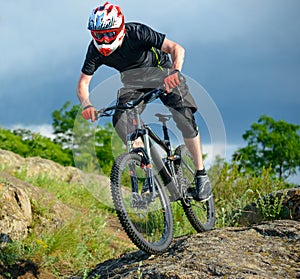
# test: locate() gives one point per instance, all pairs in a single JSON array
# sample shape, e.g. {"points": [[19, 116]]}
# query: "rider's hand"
{"points": [[172, 80], [89, 112]]}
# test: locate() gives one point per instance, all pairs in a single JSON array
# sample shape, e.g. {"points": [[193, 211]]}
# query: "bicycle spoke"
{"points": [[188, 166]]}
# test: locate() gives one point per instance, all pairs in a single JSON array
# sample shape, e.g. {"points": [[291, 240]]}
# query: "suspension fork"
{"points": [[149, 165], [145, 151], [133, 178]]}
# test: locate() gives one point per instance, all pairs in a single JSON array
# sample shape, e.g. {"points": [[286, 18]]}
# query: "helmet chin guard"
{"points": [[107, 27], [107, 49]]}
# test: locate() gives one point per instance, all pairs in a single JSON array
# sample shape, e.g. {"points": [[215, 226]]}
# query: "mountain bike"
{"points": [[146, 179]]}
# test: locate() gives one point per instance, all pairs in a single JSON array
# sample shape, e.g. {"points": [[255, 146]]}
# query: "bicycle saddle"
{"points": [[163, 117]]}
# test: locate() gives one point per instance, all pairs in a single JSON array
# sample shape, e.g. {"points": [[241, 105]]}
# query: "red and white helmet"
{"points": [[107, 28]]}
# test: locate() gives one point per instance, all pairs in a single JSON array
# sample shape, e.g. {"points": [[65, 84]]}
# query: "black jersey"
{"points": [[140, 48]]}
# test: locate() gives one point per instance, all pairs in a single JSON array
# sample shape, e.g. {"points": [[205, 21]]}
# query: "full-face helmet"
{"points": [[107, 27]]}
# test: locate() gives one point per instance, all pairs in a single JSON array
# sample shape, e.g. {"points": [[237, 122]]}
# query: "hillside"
{"points": [[29, 212]]}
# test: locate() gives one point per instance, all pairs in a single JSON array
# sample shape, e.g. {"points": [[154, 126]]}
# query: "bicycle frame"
{"points": [[151, 154], [144, 164]]}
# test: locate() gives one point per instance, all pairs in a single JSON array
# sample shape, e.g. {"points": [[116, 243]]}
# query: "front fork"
{"points": [[146, 163]]}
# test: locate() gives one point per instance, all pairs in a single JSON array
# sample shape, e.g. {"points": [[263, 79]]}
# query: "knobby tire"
{"points": [[149, 227], [200, 214]]}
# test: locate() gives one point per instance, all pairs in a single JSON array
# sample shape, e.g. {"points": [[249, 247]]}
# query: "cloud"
{"points": [[45, 130], [39, 35], [244, 53], [43, 36]]}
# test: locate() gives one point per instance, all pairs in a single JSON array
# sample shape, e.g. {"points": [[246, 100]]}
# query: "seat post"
{"points": [[164, 118]]}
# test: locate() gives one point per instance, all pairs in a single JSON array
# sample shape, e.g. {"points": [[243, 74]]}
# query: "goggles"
{"points": [[106, 36]]}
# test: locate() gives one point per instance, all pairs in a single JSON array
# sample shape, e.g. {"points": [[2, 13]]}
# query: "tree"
{"points": [[63, 123], [90, 144], [108, 146], [29, 144], [270, 143], [13, 142]]}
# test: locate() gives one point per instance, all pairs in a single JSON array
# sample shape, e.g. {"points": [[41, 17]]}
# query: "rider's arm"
{"points": [[176, 51], [177, 54], [82, 90]]}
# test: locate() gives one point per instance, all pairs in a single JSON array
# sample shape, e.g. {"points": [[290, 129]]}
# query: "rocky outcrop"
{"points": [[18, 200], [43, 168], [16, 213], [269, 250], [36, 166]]}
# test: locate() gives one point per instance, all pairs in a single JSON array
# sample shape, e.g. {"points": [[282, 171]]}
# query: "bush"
{"points": [[28, 144], [234, 190]]}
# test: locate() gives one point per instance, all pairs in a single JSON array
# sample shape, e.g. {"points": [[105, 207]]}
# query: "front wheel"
{"points": [[200, 214], [146, 216]]}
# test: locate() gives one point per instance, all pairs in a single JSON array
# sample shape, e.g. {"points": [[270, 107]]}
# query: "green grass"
{"points": [[182, 225]]}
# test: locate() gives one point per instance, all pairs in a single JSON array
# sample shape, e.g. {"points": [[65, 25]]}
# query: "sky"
{"points": [[245, 54]]}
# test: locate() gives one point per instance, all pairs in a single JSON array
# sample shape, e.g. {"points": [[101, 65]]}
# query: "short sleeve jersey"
{"points": [[140, 48]]}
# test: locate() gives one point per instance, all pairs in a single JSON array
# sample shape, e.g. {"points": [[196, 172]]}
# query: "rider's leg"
{"points": [[194, 146], [122, 122], [203, 188], [185, 121], [182, 106]]}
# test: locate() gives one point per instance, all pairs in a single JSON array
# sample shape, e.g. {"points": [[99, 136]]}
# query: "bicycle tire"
{"points": [[149, 226], [201, 215]]}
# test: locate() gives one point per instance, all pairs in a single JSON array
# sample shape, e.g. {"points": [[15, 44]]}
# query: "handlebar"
{"points": [[147, 97]]}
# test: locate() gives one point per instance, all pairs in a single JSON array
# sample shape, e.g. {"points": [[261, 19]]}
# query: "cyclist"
{"points": [[142, 56]]}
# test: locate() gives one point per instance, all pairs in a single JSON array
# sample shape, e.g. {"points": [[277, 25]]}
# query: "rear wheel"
{"points": [[146, 217], [200, 214]]}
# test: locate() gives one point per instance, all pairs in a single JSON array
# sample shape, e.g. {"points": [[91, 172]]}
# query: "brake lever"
{"points": [[99, 113]]}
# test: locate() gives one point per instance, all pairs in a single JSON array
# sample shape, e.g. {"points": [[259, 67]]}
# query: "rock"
{"points": [[8, 159], [269, 250], [37, 167], [292, 202], [16, 214], [17, 201]]}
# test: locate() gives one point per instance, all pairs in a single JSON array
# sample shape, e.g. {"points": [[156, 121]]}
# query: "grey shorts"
{"points": [[179, 102]]}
